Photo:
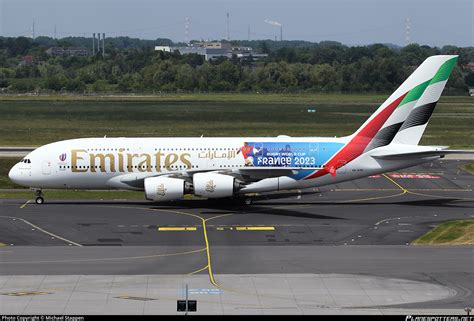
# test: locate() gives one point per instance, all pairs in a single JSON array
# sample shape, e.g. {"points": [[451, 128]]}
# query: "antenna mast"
{"points": [[407, 31], [187, 23], [228, 32]]}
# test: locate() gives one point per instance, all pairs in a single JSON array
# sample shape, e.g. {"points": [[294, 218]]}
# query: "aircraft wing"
{"points": [[246, 174]]}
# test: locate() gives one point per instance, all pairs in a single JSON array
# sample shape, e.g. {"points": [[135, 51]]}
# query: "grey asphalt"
{"points": [[362, 227], [15, 151], [370, 211]]}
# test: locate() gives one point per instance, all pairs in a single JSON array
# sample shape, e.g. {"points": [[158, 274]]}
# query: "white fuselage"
{"points": [[168, 168], [117, 163]]}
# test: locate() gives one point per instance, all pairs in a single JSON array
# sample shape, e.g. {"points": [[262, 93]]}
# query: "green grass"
{"points": [[38, 120], [469, 168], [34, 121], [208, 97], [5, 165], [449, 233], [292, 98]]}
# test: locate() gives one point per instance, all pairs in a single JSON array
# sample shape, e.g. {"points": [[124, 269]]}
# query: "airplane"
{"points": [[166, 169]]}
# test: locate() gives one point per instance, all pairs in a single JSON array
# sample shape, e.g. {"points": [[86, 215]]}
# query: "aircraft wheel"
{"points": [[248, 201], [39, 200]]}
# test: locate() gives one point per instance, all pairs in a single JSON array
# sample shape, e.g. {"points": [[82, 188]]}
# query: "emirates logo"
{"points": [[161, 190], [210, 186]]}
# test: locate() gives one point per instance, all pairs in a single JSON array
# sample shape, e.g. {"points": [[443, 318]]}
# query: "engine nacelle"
{"points": [[212, 185], [164, 188]]}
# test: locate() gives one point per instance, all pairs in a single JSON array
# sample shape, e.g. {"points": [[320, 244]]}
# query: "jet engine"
{"points": [[213, 185], [164, 188]]}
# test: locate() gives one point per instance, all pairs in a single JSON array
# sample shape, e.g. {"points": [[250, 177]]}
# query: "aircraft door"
{"points": [[259, 150], [341, 166], [46, 167], [313, 154]]}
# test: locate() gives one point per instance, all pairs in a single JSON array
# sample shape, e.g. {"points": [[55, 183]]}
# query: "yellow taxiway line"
{"points": [[219, 228], [255, 228], [26, 203], [200, 270]]}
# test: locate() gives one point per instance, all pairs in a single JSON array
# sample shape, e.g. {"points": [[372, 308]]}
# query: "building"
{"points": [[212, 50], [67, 52], [212, 45], [27, 60], [163, 48]]}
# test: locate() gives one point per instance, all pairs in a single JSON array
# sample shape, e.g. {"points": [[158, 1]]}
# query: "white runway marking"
{"points": [[43, 230]]}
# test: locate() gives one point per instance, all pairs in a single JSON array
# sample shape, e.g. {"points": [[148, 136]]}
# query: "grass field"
{"points": [[293, 98], [38, 120], [469, 168], [449, 233], [207, 97], [5, 165]]}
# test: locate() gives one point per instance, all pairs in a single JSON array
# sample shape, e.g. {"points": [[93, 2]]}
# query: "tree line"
{"points": [[132, 66]]}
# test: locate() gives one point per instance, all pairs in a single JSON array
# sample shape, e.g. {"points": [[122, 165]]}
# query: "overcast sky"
{"points": [[433, 22]]}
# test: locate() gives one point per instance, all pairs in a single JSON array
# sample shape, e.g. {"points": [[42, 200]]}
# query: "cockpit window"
{"points": [[26, 161]]}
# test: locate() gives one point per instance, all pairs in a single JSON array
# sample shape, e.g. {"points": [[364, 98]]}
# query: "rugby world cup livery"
{"points": [[168, 168]]}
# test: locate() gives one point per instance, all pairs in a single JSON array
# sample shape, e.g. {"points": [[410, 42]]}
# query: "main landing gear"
{"points": [[39, 197]]}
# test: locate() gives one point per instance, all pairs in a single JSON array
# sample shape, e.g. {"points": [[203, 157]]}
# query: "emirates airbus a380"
{"points": [[168, 168]]}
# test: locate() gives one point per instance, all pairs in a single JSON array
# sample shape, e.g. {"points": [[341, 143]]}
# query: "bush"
{"points": [[23, 85]]}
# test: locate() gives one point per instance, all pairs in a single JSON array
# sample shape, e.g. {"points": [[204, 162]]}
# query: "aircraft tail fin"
{"points": [[403, 117], [413, 127], [400, 111]]}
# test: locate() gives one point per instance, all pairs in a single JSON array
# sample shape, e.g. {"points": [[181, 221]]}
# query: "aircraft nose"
{"points": [[14, 175]]}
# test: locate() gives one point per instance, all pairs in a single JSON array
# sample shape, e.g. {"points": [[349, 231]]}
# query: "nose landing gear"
{"points": [[39, 197]]}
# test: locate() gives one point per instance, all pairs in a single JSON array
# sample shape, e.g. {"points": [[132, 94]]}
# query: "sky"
{"points": [[357, 22]]}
